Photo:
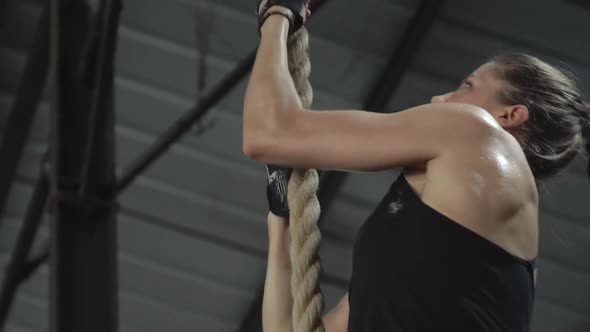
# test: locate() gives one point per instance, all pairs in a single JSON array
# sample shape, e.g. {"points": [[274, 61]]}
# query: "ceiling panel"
{"points": [[550, 318], [28, 314], [18, 27], [549, 25], [461, 51], [192, 232], [566, 242], [567, 196], [343, 21]]}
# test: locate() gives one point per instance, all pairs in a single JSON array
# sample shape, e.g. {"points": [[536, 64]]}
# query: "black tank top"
{"points": [[416, 270]]}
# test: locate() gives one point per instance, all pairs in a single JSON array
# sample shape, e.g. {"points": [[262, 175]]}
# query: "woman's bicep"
{"points": [[360, 141], [337, 319]]}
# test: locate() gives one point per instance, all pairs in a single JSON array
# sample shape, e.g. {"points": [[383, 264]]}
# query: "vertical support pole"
{"points": [[83, 280]]}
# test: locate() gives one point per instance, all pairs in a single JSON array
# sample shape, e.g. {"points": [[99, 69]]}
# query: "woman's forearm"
{"points": [[277, 302], [270, 94]]}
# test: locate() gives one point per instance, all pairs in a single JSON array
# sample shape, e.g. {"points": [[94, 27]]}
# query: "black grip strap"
{"points": [[268, 14], [295, 6], [277, 188]]}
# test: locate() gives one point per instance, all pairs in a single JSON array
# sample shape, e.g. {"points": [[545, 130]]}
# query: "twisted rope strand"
{"points": [[308, 300]]}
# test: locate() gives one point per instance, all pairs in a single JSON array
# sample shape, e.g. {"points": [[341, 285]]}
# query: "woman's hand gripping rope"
{"points": [[296, 11]]}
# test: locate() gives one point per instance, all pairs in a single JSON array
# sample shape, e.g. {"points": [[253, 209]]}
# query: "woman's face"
{"points": [[480, 88]]}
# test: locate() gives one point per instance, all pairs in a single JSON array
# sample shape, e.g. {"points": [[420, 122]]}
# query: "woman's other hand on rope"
{"points": [[296, 11], [276, 190]]}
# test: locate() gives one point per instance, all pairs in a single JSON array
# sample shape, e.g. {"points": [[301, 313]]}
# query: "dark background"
{"points": [[192, 231]]}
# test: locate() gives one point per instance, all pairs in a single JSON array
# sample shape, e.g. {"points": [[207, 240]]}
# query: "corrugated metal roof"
{"points": [[192, 233]]}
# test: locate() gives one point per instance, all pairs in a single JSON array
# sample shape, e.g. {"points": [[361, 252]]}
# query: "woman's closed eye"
{"points": [[466, 84]]}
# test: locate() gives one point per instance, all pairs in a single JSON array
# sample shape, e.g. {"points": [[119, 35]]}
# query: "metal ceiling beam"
{"points": [[24, 106], [83, 260], [193, 116], [376, 101]]}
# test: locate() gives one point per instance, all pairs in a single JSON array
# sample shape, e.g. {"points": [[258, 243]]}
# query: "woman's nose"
{"points": [[436, 99], [440, 98]]}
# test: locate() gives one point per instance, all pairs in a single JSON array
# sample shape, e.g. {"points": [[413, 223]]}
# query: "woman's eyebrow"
{"points": [[474, 77]]}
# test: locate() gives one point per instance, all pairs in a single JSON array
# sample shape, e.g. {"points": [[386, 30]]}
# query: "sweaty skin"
{"points": [[495, 191]]}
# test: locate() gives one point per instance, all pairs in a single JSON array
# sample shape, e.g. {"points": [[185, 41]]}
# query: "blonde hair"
{"points": [[558, 128]]}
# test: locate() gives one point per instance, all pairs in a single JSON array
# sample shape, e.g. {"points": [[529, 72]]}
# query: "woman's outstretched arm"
{"points": [[277, 302], [277, 130]]}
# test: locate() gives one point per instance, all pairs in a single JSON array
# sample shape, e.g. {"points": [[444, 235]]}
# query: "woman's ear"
{"points": [[513, 116]]}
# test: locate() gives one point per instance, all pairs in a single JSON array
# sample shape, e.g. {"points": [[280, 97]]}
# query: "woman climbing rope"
{"points": [[452, 246]]}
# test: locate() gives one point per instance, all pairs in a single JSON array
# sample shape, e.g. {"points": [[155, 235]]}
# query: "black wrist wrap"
{"points": [[296, 7]]}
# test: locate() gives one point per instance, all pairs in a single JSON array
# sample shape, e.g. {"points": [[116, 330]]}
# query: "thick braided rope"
{"points": [[308, 300]]}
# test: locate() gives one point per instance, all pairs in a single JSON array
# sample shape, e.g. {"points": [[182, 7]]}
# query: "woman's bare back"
{"points": [[489, 190]]}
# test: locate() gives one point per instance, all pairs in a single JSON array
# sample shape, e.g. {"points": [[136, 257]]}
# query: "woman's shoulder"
{"points": [[494, 166], [486, 189]]}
